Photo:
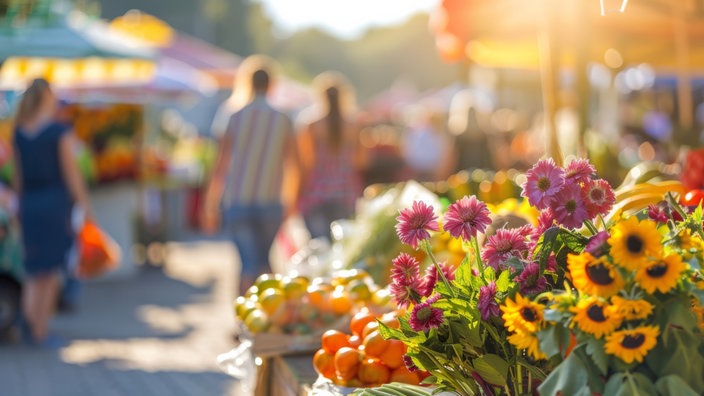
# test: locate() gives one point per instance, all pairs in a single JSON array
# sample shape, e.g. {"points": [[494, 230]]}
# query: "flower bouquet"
{"points": [[474, 327], [632, 310]]}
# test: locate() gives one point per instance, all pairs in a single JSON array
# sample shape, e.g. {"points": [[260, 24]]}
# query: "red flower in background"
{"points": [[693, 170]]}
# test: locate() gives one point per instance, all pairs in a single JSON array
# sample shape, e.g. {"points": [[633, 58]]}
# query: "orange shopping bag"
{"points": [[97, 253]]}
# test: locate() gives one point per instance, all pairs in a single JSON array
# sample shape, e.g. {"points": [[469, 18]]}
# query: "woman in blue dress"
{"points": [[48, 183]]}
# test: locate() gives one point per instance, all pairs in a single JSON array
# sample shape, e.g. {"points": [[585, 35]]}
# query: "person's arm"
{"points": [[16, 182], [72, 174], [214, 190]]}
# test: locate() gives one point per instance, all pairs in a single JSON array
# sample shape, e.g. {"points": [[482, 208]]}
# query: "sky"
{"points": [[344, 18]]}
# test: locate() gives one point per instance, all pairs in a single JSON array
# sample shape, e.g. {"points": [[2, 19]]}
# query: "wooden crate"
{"points": [[286, 376]]}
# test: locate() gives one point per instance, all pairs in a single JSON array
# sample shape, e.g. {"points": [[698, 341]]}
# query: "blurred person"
{"points": [[247, 183], [471, 142], [332, 158], [49, 184], [426, 147]]}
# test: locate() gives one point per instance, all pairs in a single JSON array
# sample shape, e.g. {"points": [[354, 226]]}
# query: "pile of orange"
{"points": [[364, 358], [298, 305]]}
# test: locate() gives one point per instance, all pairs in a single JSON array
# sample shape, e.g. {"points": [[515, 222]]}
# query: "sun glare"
{"points": [[343, 17]]}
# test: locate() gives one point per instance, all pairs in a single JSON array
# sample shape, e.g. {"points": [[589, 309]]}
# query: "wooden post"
{"points": [[548, 76], [684, 87]]}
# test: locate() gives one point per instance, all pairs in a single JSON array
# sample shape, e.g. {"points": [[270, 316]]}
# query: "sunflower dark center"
{"points": [[657, 271], [633, 341], [571, 206], [599, 274], [634, 244], [596, 313], [543, 184], [529, 314]]}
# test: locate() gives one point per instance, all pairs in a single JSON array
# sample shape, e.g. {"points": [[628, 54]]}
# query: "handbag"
{"points": [[96, 253]]}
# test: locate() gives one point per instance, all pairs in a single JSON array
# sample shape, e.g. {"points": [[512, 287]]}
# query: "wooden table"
{"points": [[286, 376]]}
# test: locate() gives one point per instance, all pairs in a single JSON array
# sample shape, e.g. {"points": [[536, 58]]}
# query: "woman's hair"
{"points": [[337, 97], [32, 100]]}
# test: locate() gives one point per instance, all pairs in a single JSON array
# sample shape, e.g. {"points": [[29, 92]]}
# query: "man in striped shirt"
{"points": [[248, 180]]}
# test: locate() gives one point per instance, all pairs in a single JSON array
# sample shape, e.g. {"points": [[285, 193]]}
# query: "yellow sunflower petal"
{"points": [[633, 242], [631, 309], [596, 317], [632, 345], [661, 274], [594, 276]]}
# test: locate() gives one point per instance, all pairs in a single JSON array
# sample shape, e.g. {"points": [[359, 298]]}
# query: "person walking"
{"points": [[48, 183], [332, 158], [247, 184]]}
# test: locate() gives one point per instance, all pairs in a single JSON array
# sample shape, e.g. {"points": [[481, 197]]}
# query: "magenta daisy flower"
{"points": [[503, 245], [546, 219], [579, 171], [405, 294], [656, 213], [597, 245], [569, 207], [405, 270], [424, 317], [466, 217], [598, 197], [530, 280], [408, 362], [544, 180], [415, 222], [488, 307], [431, 278]]}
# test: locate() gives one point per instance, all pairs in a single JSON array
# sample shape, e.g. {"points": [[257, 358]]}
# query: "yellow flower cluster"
{"points": [[524, 318]]}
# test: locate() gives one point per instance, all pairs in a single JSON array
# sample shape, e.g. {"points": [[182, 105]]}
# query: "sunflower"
{"points": [[633, 242], [594, 276], [523, 315], [690, 243], [698, 311], [630, 345], [596, 317], [631, 309], [529, 342], [661, 274]]}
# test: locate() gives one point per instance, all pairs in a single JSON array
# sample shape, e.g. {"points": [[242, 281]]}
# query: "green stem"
{"points": [[429, 251], [591, 227], [478, 257]]}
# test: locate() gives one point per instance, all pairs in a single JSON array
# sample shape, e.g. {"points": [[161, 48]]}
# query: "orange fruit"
{"points": [[333, 340], [347, 361], [370, 327], [393, 354], [355, 341], [359, 320], [319, 296], [324, 364], [404, 376], [340, 302], [372, 371], [390, 320], [375, 344]]}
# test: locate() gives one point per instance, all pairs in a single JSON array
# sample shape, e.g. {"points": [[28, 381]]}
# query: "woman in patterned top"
{"points": [[332, 158]]}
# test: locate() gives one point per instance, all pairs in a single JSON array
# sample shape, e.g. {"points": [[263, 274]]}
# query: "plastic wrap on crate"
{"points": [[325, 387]]}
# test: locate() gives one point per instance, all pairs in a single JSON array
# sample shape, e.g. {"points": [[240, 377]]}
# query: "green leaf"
{"points": [[595, 349], [389, 333], [549, 342], [629, 384], [676, 312], [463, 275], [680, 355], [674, 385], [568, 378], [503, 282], [545, 246], [552, 315], [573, 241], [492, 368]]}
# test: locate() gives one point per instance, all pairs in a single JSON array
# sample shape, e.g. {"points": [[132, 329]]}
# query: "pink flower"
{"points": [[579, 171], [405, 269], [598, 197], [530, 280], [597, 245], [408, 362], [466, 217], [544, 180], [431, 278], [487, 305], [569, 207], [503, 245], [415, 222], [405, 295], [656, 213], [551, 265], [424, 317], [546, 219]]}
